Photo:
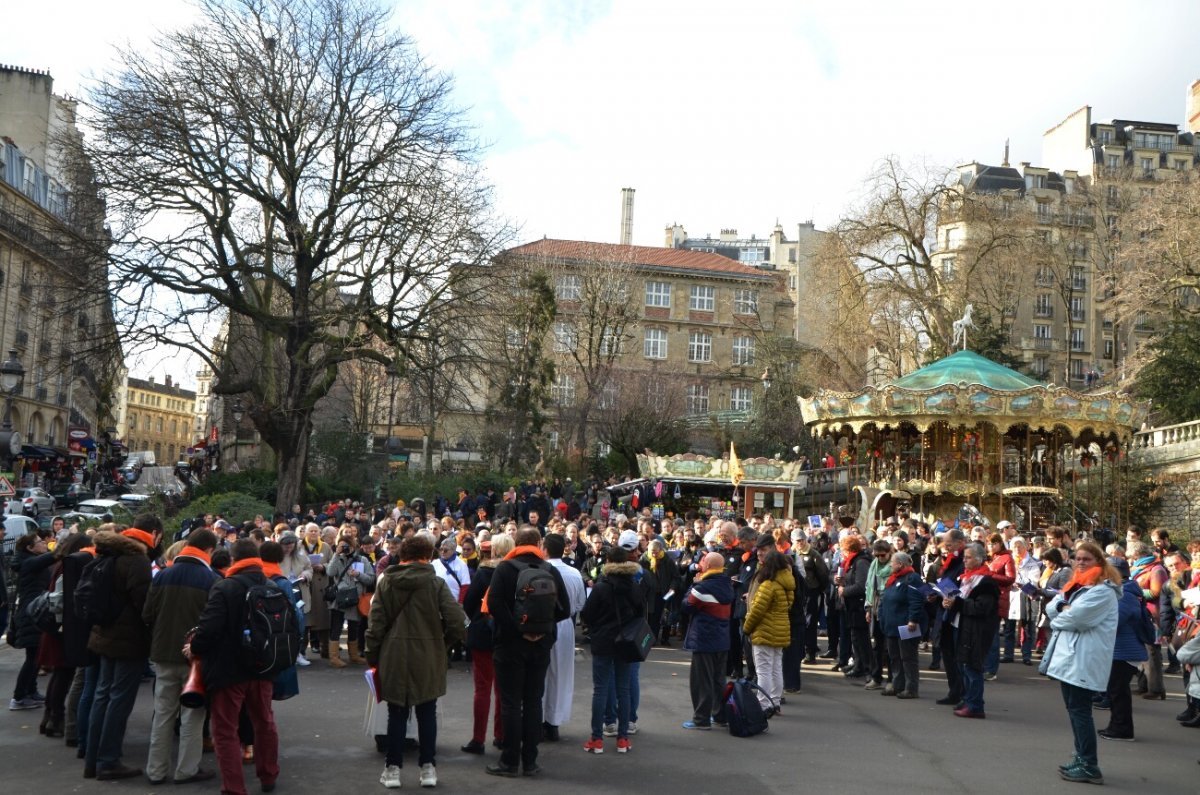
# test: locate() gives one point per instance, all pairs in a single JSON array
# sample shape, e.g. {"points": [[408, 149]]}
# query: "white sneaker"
{"points": [[632, 728], [302, 661], [610, 730], [428, 776], [390, 777]]}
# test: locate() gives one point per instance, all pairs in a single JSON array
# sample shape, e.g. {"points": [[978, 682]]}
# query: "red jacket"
{"points": [[1004, 574]]}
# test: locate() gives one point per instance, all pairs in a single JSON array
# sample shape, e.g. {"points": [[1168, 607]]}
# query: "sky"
{"points": [[725, 115]]}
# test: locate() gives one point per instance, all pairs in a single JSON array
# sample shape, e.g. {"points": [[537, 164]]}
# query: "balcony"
{"points": [[1144, 328], [44, 348], [1079, 283], [1077, 346], [1078, 315], [1107, 325], [1041, 343], [22, 338], [26, 290], [41, 393], [1043, 311]]}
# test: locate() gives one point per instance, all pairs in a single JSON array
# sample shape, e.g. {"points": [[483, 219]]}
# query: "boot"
{"points": [[322, 637], [335, 655], [355, 657]]}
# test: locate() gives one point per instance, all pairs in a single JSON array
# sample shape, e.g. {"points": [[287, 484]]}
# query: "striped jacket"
{"points": [[708, 603]]}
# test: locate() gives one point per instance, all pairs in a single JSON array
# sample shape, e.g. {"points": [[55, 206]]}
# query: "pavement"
{"points": [[832, 737]]}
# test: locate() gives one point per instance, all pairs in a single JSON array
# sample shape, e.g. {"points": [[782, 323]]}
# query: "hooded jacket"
{"points": [[616, 599], [1126, 646], [767, 622], [413, 620], [480, 634], [128, 637]]}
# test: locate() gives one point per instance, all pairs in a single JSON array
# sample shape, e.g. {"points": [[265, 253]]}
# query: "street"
{"points": [[833, 737]]}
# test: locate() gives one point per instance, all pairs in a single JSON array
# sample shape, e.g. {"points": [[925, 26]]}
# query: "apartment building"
{"points": [[159, 417]]}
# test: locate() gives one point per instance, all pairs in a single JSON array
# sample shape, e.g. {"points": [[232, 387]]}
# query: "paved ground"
{"points": [[834, 737]]}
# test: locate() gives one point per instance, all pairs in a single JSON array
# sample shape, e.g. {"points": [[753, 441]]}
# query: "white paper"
{"points": [[358, 566], [316, 559], [907, 634], [1191, 595], [667, 596]]}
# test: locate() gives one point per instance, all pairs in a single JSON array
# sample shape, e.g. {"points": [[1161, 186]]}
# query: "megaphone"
{"points": [[192, 695]]}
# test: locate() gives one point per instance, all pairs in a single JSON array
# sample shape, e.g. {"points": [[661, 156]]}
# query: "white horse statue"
{"points": [[960, 328]]}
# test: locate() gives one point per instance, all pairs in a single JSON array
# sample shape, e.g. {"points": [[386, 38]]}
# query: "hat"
{"points": [[1003, 524], [221, 524], [288, 538], [797, 535], [628, 540], [710, 537], [765, 540], [485, 546]]}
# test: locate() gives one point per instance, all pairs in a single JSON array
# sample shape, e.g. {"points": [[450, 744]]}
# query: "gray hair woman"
{"points": [[900, 617]]}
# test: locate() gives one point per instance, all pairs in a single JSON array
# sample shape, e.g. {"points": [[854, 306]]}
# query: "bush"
{"points": [[234, 506], [257, 483]]}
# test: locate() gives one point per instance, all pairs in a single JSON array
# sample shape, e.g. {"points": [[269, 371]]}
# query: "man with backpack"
{"points": [[110, 595], [246, 635], [526, 600]]}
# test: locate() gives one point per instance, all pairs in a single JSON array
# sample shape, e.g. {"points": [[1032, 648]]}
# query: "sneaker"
{"points": [[23, 703], [691, 724], [594, 746], [38, 697], [632, 728], [989, 677], [872, 685], [1074, 761], [390, 777], [623, 745], [428, 775], [473, 748], [610, 730], [302, 661], [1107, 735], [1083, 774]]}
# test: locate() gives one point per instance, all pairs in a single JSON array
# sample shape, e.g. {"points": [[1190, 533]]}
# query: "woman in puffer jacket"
{"points": [[768, 622]]}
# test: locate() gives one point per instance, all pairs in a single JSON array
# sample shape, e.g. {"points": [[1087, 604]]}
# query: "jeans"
{"points": [[168, 685], [224, 707], [635, 695], [1079, 710], [87, 697], [116, 691], [972, 688], [991, 664], [1120, 716], [484, 674], [707, 683], [948, 643], [812, 615], [521, 671], [426, 732], [768, 662], [609, 672]]}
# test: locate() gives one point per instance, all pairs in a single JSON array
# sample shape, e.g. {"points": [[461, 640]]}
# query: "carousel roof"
{"points": [[965, 367]]}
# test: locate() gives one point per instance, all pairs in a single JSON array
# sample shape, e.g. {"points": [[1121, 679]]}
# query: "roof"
{"points": [[173, 390], [676, 259], [991, 179], [965, 367]]}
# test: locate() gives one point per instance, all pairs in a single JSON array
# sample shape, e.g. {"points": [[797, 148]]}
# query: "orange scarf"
{"points": [[271, 570], [525, 550], [197, 553], [1083, 579], [139, 535], [90, 550], [242, 565]]}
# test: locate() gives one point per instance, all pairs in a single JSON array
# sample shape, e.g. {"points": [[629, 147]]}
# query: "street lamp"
{"points": [[766, 378], [12, 378], [238, 413]]}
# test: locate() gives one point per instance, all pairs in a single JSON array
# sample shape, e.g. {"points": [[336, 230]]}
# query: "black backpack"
{"points": [[270, 630], [95, 598], [742, 710], [536, 599]]}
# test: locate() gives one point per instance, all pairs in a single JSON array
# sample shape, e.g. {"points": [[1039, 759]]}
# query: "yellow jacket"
{"points": [[767, 622]]}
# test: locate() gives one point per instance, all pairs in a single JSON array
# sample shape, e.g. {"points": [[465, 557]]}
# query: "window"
{"points": [[615, 291], [1043, 306], [603, 449], [656, 395], [654, 344], [745, 302], [1076, 339], [1105, 137], [174, 427], [552, 440], [1078, 278], [146, 424], [752, 255], [566, 338], [743, 350], [1045, 275], [1041, 366], [1181, 165], [1147, 164], [562, 391], [702, 298], [697, 399], [514, 337], [608, 397], [1113, 162], [1078, 312], [740, 398], [1041, 335], [947, 267], [792, 282], [658, 294], [1111, 193], [1108, 349], [1043, 213], [610, 341], [568, 288], [953, 237], [1076, 369], [699, 347], [1035, 180]]}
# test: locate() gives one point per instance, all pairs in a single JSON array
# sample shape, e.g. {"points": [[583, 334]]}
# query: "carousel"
{"points": [[966, 434]]}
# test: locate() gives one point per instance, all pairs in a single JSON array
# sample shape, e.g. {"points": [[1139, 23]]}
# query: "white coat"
{"points": [[1080, 651]]}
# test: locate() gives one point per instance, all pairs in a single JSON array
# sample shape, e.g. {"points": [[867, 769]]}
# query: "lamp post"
{"points": [[766, 378], [12, 378], [238, 412]]}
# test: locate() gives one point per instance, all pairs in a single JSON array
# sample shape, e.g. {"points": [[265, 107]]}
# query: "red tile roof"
{"points": [[679, 259]]}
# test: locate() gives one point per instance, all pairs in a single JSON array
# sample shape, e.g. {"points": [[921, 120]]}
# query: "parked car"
{"points": [[14, 528], [68, 495], [30, 502], [134, 502], [99, 511]]}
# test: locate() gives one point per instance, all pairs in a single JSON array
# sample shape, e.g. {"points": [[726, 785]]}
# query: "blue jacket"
{"points": [[1129, 615], [901, 603], [708, 603], [1080, 651]]}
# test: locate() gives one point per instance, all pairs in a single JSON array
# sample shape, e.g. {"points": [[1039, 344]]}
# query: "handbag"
{"points": [[331, 590], [634, 639], [1185, 629]]}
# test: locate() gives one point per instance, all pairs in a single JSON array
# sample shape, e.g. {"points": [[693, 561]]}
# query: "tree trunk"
{"points": [[291, 463]]}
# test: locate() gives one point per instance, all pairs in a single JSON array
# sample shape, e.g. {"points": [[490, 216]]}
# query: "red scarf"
{"points": [[271, 570], [242, 565], [846, 561], [1085, 579], [197, 553], [971, 578], [783, 547], [526, 550], [895, 575], [139, 535], [953, 556]]}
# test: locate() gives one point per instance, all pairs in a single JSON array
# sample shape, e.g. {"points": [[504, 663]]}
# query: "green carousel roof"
{"points": [[965, 367]]}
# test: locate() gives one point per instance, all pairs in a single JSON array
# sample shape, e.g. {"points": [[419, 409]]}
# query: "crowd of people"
{"points": [[407, 591]]}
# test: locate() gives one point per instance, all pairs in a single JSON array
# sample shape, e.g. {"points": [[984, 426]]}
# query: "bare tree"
{"points": [[642, 411], [295, 168]]}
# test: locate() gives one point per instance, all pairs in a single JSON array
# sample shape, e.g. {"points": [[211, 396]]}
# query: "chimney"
{"points": [[1005, 163], [626, 216], [168, 382]]}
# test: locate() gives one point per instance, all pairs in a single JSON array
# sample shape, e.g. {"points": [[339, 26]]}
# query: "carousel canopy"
{"points": [[966, 389]]}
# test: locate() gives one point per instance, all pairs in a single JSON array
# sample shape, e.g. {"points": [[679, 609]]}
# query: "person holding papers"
{"points": [[901, 614], [974, 612]]}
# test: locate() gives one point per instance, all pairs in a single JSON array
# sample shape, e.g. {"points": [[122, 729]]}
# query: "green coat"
{"points": [[768, 623], [413, 619]]}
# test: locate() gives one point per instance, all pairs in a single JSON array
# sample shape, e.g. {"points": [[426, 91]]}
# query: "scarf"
{"points": [[895, 575], [1082, 579], [90, 550], [313, 549], [271, 570], [198, 554], [710, 573], [972, 578], [525, 550], [953, 556], [468, 558], [783, 546], [1141, 564], [654, 559], [242, 565], [846, 561], [139, 535]]}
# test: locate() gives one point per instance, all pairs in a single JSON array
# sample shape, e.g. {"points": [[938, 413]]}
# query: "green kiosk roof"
{"points": [[965, 367]]}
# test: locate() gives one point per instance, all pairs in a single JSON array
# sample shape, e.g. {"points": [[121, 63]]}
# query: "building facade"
{"points": [[159, 417]]}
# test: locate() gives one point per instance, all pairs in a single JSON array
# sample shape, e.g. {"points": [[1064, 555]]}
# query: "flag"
{"points": [[736, 473]]}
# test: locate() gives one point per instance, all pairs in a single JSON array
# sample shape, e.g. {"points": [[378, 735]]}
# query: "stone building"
{"points": [[157, 417]]}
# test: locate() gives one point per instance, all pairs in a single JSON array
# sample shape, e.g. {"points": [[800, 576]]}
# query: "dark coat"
{"points": [[502, 598], [709, 603], [413, 621], [978, 620], [33, 580], [218, 637], [615, 599], [665, 578], [900, 604], [75, 632], [173, 606], [127, 638], [854, 591], [480, 634]]}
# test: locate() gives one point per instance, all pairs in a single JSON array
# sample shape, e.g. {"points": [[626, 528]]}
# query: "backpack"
{"points": [[96, 600], [742, 710], [536, 599], [1144, 628], [40, 613], [270, 630]]}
